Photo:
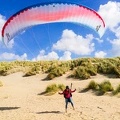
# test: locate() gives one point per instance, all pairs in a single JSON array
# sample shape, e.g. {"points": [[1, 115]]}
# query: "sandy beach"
{"points": [[20, 99]]}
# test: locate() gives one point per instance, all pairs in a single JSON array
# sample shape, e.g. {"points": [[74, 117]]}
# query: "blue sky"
{"points": [[47, 42]]}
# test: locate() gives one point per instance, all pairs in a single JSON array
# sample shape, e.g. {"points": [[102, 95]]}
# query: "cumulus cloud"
{"points": [[50, 56], [111, 15], [66, 56], [75, 43], [10, 56], [100, 54], [99, 40], [115, 47], [116, 43], [117, 32], [2, 21], [110, 12]]}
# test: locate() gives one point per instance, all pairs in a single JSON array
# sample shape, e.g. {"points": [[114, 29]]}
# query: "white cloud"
{"points": [[115, 47], [75, 43], [42, 53], [110, 12], [100, 54], [50, 56], [2, 21], [66, 56], [99, 40], [10, 56], [117, 32]]}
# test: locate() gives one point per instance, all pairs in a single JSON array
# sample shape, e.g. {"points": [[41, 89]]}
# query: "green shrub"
{"points": [[61, 87], [107, 66], [105, 87], [81, 73], [32, 71], [50, 76], [117, 90], [35, 69], [101, 88], [53, 88], [92, 70], [92, 85], [3, 72], [55, 72], [83, 68]]}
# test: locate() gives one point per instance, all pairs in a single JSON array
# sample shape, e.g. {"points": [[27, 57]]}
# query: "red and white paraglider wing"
{"points": [[50, 13]]}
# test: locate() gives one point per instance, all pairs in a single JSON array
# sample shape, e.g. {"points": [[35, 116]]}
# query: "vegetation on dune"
{"points": [[61, 87], [56, 72], [100, 88], [53, 88], [82, 68], [105, 87], [85, 70], [92, 85], [32, 71], [4, 68], [117, 90]]}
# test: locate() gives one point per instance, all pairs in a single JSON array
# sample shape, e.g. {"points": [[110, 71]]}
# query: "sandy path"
{"points": [[20, 100]]}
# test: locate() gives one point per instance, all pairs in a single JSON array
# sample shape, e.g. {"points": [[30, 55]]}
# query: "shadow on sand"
{"points": [[8, 108], [42, 93], [46, 112], [45, 79]]}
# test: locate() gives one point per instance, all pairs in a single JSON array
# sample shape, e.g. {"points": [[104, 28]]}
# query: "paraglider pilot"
{"points": [[68, 97]]}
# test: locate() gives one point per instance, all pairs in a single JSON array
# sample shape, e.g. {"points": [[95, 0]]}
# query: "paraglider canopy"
{"points": [[51, 13]]}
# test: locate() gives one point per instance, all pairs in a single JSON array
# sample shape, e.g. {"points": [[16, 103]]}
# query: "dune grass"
{"points": [[117, 90], [32, 71], [53, 88], [55, 72], [105, 87], [99, 88], [82, 68], [92, 85]]}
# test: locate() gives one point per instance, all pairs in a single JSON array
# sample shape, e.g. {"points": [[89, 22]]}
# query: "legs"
{"points": [[66, 104], [72, 103], [72, 106]]}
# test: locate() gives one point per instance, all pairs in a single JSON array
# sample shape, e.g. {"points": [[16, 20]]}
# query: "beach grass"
{"points": [[117, 90], [100, 88], [53, 88], [82, 68], [92, 85], [104, 87]]}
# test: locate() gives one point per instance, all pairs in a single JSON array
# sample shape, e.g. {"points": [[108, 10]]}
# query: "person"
{"points": [[68, 97]]}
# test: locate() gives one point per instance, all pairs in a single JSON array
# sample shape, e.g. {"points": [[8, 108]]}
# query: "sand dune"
{"points": [[20, 99]]}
